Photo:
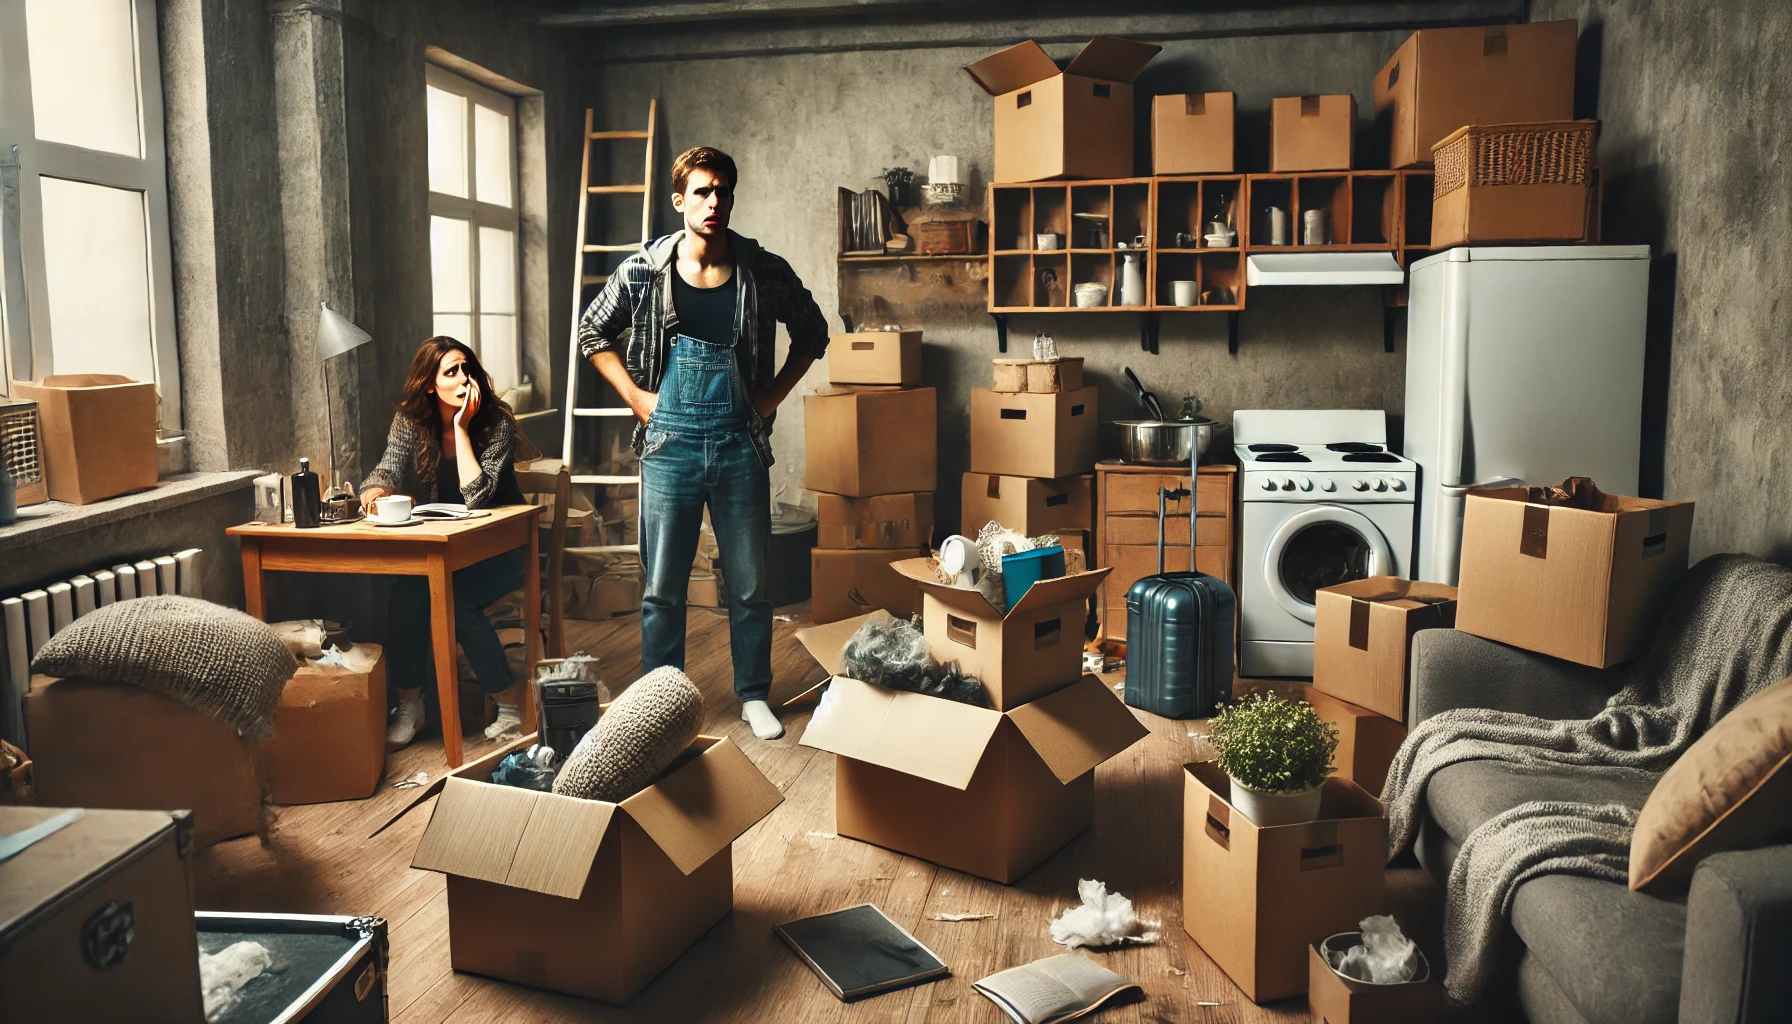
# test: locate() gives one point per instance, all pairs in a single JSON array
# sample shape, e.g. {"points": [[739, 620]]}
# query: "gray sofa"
{"points": [[1581, 951]]}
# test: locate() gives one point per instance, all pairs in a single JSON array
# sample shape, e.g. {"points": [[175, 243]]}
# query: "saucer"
{"points": [[1217, 241], [412, 521]]}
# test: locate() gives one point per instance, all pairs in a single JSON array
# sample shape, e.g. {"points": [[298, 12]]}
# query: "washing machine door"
{"points": [[1320, 547]]}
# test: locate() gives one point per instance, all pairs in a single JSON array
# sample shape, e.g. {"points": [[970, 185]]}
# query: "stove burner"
{"points": [[1353, 446], [1371, 457], [1273, 447], [1281, 456]]}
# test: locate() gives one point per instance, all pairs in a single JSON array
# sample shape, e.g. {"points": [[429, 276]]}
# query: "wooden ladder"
{"points": [[584, 290]]}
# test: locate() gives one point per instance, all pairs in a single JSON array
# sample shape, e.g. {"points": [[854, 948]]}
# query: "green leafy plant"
{"points": [[1274, 745]]}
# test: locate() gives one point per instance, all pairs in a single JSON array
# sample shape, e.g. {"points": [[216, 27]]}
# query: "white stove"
{"points": [[1322, 501]]}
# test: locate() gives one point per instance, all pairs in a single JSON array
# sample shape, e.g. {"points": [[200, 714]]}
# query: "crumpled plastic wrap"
{"points": [[892, 653], [1385, 956], [1103, 919], [223, 974], [534, 768], [303, 637]]}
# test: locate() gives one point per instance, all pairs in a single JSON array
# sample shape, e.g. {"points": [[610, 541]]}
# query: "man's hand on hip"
{"points": [[643, 403], [766, 402]]}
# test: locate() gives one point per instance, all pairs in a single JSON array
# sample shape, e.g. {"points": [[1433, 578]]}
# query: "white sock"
{"points": [[760, 716], [509, 720]]}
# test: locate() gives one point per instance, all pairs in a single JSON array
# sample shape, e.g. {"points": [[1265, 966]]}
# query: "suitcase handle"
{"points": [[1164, 496]]}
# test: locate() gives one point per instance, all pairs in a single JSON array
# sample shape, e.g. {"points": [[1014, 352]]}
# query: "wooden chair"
{"points": [[551, 477]]}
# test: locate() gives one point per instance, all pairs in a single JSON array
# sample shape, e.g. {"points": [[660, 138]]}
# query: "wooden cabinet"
{"points": [[1126, 530]]}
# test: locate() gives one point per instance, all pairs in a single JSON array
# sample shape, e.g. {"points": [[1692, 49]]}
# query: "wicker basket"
{"points": [[1536, 153]]}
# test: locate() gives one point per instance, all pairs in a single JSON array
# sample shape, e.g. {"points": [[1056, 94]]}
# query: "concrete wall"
{"points": [[1698, 164], [802, 123]]}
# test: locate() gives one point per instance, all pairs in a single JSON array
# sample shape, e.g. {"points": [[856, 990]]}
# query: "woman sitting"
{"points": [[451, 441]]}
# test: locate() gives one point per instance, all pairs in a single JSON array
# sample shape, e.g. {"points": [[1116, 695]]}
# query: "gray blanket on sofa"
{"points": [[1727, 634]]}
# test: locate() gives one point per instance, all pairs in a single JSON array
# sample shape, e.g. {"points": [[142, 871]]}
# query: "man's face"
{"points": [[706, 202]]}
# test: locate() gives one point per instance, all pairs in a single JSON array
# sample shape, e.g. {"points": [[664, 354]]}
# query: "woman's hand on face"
{"points": [[371, 495], [469, 406]]}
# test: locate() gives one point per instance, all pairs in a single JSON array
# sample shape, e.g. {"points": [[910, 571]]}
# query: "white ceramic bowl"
{"points": [[1218, 241], [1048, 242], [1090, 294]]}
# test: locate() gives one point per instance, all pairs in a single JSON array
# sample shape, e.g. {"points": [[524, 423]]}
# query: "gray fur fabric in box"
{"points": [[213, 659], [638, 737]]}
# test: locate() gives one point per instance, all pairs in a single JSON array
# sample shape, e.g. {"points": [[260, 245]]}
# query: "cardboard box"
{"points": [[1482, 208], [1443, 78], [1312, 133], [1255, 898], [611, 592], [1046, 436], [586, 897], [880, 521], [1362, 637], [101, 744], [706, 589], [1044, 376], [875, 357], [1037, 647], [114, 886], [329, 740], [1033, 506], [1367, 741], [99, 434], [863, 441], [845, 583], [985, 792], [1075, 123], [1335, 999], [1585, 586], [1191, 133]]}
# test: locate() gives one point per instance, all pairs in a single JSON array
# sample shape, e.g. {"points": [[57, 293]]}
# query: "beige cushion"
{"points": [[1732, 790]]}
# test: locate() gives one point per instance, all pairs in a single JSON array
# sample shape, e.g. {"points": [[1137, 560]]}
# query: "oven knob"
{"points": [[1381, 485], [1360, 485], [1399, 485], [1287, 483], [1306, 484], [1269, 483], [1328, 485]]}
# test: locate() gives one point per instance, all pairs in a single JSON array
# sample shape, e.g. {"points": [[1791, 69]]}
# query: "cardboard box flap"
{"points": [[559, 844], [475, 830], [921, 571], [1391, 590], [1016, 67], [1078, 727], [86, 380], [827, 643], [1113, 59], [1047, 593], [927, 737], [695, 812]]}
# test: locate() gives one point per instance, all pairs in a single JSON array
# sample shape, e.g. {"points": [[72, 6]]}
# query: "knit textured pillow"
{"points": [[213, 659], [638, 737]]}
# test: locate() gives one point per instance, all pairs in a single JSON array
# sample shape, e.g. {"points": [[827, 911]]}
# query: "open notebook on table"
{"points": [[445, 510]]}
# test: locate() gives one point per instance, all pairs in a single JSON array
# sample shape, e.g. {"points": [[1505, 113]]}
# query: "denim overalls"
{"points": [[698, 451]]}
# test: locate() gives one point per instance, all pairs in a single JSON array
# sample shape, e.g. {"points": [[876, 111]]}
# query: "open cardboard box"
{"points": [[329, 739], [1335, 999], [1255, 898], [99, 434], [1586, 586], [587, 897], [1362, 637], [1074, 123], [1034, 649], [989, 793]]}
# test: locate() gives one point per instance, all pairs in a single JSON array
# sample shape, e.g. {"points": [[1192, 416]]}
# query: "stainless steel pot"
{"points": [[1164, 442]]}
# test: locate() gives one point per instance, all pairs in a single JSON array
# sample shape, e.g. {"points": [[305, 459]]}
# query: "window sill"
{"points": [[51, 519]]}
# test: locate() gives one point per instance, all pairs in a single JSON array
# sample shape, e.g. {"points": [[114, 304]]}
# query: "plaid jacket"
{"points": [[634, 315]]}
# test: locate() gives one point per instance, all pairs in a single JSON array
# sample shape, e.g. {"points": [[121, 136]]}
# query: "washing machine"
{"points": [[1322, 501]]}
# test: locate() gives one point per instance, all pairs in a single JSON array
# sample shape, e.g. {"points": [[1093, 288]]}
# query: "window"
{"points": [[86, 284], [473, 220]]}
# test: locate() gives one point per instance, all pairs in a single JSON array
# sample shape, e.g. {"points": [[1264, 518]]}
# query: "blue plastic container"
{"points": [[1020, 571]]}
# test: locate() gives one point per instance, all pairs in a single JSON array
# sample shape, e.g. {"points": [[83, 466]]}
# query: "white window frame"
{"points": [[29, 358], [479, 214]]}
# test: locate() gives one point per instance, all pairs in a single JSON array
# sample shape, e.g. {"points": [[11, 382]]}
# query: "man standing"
{"points": [[686, 332]]}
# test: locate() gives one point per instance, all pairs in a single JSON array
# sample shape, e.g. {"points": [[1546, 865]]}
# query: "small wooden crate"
{"points": [[1043, 376]]}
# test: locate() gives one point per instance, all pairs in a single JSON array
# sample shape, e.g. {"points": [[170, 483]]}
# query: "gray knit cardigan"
{"points": [[495, 485]]}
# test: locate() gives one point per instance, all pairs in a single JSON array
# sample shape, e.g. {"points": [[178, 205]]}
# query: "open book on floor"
{"points": [[445, 510], [1058, 988], [859, 952]]}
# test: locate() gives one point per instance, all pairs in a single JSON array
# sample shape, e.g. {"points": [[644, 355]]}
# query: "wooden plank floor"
{"points": [[321, 859]]}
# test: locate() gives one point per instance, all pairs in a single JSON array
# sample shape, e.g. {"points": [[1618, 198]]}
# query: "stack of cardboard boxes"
{"points": [[872, 460], [1032, 450], [990, 791]]}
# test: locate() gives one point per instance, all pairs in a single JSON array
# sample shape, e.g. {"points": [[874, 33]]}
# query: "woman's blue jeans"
{"points": [[698, 452], [411, 650]]}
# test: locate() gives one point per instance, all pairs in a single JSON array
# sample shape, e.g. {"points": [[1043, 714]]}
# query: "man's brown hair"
{"points": [[712, 160]]}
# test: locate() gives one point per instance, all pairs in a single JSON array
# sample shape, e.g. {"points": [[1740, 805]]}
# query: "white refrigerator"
{"points": [[1522, 365]]}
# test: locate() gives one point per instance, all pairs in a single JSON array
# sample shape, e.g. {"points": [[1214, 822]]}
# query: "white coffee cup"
{"points": [[1183, 293], [392, 508]]}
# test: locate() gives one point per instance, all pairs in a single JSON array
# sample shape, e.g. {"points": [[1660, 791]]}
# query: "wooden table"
{"points": [[435, 550]]}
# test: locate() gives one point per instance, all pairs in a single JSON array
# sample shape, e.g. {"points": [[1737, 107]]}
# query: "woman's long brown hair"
{"points": [[419, 403]]}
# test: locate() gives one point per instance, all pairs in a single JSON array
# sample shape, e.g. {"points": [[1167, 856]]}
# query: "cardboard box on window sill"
{"points": [[1367, 741], [1038, 435], [1074, 123], [99, 434], [1027, 504], [985, 792], [104, 744], [329, 739], [875, 357], [1585, 586], [845, 583], [868, 440], [587, 897], [879, 521], [1255, 898], [1035, 648], [1312, 133], [1362, 637], [1192, 133]]}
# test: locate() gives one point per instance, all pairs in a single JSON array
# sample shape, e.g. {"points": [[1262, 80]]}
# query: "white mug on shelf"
{"points": [[392, 508], [1183, 293], [1045, 242], [1315, 227]]}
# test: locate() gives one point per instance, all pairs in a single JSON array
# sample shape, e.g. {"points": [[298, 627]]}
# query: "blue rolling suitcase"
{"points": [[1179, 628]]}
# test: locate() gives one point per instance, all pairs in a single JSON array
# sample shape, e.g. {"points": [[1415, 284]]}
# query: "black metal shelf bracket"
{"points": [[1389, 316], [1001, 320], [1232, 333], [1148, 332]]}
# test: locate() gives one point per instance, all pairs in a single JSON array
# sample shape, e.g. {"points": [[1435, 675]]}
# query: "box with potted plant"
{"points": [[1277, 754]]}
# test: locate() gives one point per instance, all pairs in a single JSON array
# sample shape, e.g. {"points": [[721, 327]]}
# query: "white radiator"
{"points": [[33, 617]]}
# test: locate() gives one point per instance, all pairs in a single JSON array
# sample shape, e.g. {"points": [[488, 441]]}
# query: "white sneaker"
{"points": [[406, 720], [509, 721], [760, 716]]}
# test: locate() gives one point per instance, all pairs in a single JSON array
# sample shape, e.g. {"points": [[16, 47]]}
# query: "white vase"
{"points": [[1267, 809]]}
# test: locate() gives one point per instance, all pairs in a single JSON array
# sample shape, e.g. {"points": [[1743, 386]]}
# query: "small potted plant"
{"points": [[1277, 753]]}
